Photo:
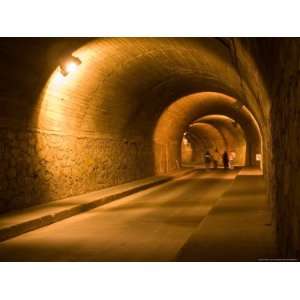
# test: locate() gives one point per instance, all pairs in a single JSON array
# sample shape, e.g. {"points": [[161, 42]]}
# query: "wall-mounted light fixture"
{"points": [[69, 65], [234, 124]]}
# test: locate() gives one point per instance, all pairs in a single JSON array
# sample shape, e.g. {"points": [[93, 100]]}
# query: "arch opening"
{"points": [[205, 118], [215, 134]]}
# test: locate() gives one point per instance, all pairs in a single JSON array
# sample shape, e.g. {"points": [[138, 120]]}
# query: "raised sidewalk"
{"points": [[18, 222]]}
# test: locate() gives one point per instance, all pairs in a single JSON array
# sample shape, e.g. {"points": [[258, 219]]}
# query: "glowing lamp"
{"points": [[69, 65]]}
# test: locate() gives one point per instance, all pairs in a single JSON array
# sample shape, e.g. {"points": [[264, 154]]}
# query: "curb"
{"points": [[11, 231]]}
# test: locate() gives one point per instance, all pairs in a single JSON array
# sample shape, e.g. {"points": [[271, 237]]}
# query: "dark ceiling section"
{"points": [[27, 63]]}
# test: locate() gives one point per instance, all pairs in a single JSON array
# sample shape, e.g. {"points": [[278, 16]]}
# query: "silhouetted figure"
{"points": [[225, 160], [207, 159]]}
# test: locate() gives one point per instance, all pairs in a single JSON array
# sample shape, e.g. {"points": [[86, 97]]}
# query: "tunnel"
{"points": [[231, 134], [88, 116], [185, 116], [228, 135]]}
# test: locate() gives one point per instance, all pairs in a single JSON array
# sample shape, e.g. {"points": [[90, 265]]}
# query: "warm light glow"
{"points": [[58, 78], [71, 67], [185, 141]]}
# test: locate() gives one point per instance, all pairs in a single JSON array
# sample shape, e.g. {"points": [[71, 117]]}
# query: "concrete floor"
{"points": [[239, 226], [203, 216], [152, 225]]}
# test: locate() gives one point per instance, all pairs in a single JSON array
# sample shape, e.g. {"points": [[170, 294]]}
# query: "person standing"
{"points": [[225, 160]]}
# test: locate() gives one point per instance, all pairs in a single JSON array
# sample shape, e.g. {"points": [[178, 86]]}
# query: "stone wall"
{"points": [[167, 157], [38, 167], [285, 120]]}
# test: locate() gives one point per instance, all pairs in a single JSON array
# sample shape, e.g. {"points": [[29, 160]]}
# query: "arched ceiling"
{"points": [[232, 132], [207, 137], [191, 108], [126, 81], [124, 84], [234, 137]]}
